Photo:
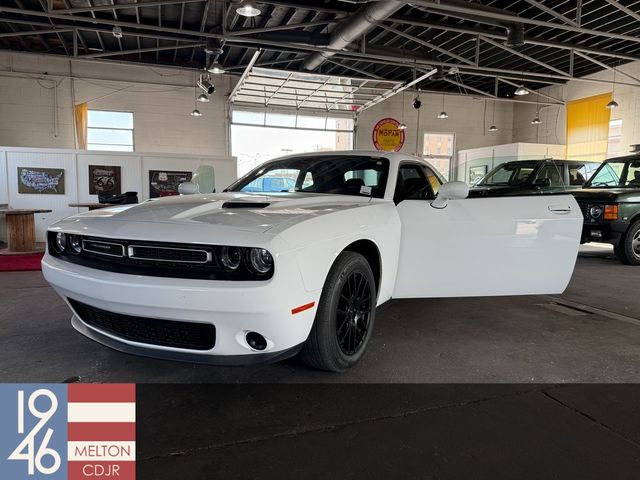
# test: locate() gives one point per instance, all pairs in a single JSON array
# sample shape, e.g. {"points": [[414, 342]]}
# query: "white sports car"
{"points": [[296, 255]]}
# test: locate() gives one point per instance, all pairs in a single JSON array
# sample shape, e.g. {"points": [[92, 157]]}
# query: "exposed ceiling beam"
{"points": [[537, 92], [522, 55], [120, 6], [291, 26], [354, 69], [28, 33], [492, 16], [624, 9], [467, 87], [551, 12], [608, 67], [140, 50], [398, 88], [426, 44], [499, 36], [244, 76]]}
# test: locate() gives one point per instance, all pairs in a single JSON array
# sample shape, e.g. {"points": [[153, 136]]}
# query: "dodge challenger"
{"points": [[247, 276]]}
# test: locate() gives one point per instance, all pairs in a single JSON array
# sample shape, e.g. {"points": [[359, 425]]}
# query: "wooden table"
{"points": [[90, 206], [21, 229]]}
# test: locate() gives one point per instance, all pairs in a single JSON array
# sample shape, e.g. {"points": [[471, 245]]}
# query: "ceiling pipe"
{"points": [[515, 30], [353, 28]]}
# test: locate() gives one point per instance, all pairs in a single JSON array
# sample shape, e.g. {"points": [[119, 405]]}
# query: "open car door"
{"points": [[487, 246]]}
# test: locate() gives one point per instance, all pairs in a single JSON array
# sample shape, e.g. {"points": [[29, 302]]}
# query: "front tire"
{"points": [[345, 316], [628, 251]]}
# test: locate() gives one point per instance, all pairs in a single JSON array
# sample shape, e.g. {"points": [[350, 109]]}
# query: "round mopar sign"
{"points": [[387, 136]]}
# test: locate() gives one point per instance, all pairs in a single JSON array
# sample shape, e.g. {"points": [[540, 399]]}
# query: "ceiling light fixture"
{"points": [[195, 112], [216, 68], [443, 114], [536, 120], [520, 91], [248, 9], [203, 97], [117, 32], [613, 104], [206, 85], [402, 126], [493, 127]]}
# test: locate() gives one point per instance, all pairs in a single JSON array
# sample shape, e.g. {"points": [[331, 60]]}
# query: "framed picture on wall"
{"points": [[104, 179], [164, 183], [41, 180], [476, 173]]}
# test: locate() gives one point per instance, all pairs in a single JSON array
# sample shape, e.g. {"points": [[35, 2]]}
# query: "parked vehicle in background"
{"points": [[610, 204], [534, 176]]}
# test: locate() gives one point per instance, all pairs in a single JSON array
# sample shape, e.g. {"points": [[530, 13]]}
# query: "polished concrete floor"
{"points": [[589, 334]]}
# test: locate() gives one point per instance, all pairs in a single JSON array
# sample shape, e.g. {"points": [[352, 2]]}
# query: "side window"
{"points": [[412, 184], [551, 174], [307, 183], [434, 182], [577, 174]]}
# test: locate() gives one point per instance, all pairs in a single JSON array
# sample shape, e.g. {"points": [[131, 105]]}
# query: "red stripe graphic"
{"points": [[111, 392], [101, 470], [101, 432]]}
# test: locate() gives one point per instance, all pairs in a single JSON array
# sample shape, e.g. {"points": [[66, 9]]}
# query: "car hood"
{"points": [[235, 210], [608, 195]]}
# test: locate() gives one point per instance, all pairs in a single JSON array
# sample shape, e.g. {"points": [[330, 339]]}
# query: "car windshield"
{"points": [[333, 174], [510, 173], [616, 174]]}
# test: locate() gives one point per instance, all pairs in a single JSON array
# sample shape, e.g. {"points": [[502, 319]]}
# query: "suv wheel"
{"points": [[628, 251]]}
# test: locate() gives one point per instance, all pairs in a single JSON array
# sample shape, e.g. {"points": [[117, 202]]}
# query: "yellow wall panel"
{"points": [[588, 127]]}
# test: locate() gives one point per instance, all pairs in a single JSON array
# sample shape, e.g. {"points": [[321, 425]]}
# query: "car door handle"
{"points": [[560, 209]]}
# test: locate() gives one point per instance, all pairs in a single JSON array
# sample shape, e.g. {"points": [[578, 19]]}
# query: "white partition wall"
{"points": [[134, 177]]}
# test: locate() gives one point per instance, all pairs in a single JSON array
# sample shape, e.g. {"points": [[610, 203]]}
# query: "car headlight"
{"points": [[75, 243], [60, 242], [261, 260], [231, 257], [595, 211]]}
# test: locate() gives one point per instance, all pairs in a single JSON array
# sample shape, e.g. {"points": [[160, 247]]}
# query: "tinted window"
{"points": [[512, 173], [551, 173], [412, 184], [334, 174]]}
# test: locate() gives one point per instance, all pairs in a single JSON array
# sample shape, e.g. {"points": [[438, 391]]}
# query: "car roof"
{"points": [[624, 158]]}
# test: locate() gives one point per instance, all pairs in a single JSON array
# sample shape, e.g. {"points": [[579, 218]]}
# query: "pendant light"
{"points": [[520, 91], [402, 126], [195, 112], [613, 104], [536, 120], [203, 97], [248, 9], [443, 114], [493, 127]]}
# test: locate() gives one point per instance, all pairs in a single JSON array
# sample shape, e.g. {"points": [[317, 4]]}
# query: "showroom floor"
{"points": [[589, 334]]}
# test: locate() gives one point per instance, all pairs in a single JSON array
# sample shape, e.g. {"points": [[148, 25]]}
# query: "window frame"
{"points": [[423, 170], [132, 130]]}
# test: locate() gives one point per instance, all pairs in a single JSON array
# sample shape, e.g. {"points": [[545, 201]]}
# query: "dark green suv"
{"points": [[610, 204]]}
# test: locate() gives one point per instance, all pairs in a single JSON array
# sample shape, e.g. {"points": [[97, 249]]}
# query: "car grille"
{"points": [[584, 208], [154, 259], [153, 331]]}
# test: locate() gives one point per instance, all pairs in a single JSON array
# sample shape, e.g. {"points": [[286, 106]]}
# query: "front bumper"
{"points": [[605, 232], [233, 307]]}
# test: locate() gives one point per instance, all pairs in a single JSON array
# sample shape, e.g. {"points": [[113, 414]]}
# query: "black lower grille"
{"points": [[168, 333], [584, 208]]}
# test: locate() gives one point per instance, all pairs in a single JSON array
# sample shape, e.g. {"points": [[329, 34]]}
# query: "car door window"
{"points": [[550, 175], [577, 175], [412, 184]]}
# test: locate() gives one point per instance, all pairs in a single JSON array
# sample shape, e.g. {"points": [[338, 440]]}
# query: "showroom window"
{"points": [[259, 135], [438, 150], [109, 130], [614, 141]]}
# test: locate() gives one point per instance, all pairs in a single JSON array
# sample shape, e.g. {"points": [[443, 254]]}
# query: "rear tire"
{"points": [[345, 316], [628, 250]]}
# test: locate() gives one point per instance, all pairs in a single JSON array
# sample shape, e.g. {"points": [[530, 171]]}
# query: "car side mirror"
{"points": [[450, 191], [542, 182], [188, 188]]}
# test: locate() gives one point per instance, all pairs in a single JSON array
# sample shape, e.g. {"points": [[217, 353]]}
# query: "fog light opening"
{"points": [[256, 341]]}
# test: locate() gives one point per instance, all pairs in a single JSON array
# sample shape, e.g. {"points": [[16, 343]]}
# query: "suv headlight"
{"points": [[595, 211]]}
